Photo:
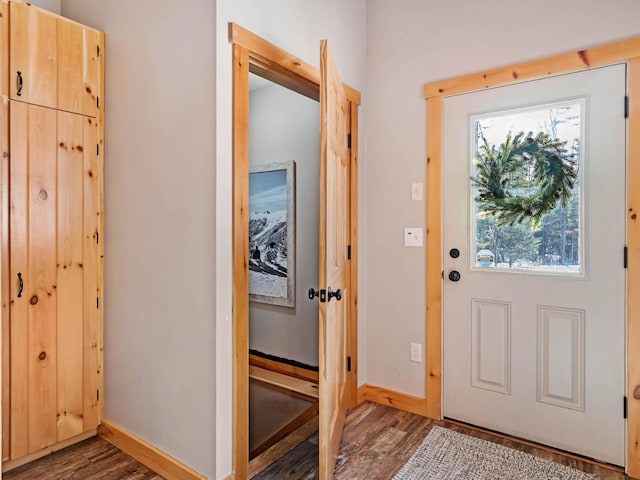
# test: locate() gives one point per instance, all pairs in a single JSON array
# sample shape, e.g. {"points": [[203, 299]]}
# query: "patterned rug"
{"points": [[449, 455]]}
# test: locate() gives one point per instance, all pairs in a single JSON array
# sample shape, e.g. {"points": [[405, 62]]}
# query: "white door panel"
{"points": [[535, 348]]}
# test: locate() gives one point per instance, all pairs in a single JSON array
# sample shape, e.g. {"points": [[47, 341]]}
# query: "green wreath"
{"points": [[524, 178]]}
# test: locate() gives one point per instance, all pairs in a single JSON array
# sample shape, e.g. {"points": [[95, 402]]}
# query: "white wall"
{"points": [[51, 5], [412, 42], [298, 28], [160, 221], [284, 126]]}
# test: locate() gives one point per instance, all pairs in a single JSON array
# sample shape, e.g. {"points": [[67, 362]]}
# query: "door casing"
{"points": [[626, 51], [253, 54]]}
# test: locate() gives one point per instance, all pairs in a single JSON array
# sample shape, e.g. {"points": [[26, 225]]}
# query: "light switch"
{"points": [[413, 237], [416, 191]]}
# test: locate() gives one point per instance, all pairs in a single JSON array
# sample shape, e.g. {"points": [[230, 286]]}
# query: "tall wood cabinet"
{"points": [[51, 125]]}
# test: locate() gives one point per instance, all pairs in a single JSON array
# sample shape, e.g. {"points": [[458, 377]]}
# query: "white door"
{"points": [[534, 319]]}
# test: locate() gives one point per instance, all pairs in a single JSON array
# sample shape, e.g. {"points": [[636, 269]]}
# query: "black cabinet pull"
{"points": [[313, 293], [19, 92], [20, 285]]}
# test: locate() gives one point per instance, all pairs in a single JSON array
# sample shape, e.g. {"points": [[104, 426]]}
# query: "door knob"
{"points": [[322, 294], [337, 294], [454, 276]]}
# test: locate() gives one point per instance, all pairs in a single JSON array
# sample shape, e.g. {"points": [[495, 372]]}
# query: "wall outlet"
{"points": [[416, 352]]}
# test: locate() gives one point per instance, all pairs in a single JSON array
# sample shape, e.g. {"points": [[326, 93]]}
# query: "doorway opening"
{"points": [[254, 55]]}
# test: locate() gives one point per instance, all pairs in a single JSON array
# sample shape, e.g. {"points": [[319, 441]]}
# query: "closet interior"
{"points": [[284, 150]]}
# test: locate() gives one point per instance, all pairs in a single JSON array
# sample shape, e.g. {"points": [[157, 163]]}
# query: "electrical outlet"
{"points": [[416, 352]]}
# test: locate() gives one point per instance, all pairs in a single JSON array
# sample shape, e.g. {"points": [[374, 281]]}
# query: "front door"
{"points": [[534, 280], [333, 261]]}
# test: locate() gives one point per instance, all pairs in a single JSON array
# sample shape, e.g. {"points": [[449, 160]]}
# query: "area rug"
{"points": [[449, 455]]}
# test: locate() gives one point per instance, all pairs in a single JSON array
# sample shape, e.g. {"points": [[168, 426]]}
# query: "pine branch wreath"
{"points": [[524, 178]]}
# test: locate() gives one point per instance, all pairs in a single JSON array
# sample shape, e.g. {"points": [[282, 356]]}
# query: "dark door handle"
{"points": [[454, 276], [20, 285], [322, 294], [19, 92], [337, 294]]}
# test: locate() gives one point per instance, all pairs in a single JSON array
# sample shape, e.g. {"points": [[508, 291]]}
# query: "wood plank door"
{"points": [[33, 74], [54, 62], [534, 306], [55, 339], [333, 261]]}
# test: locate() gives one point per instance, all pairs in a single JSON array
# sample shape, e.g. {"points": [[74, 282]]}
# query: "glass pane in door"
{"points": [[526, 198]]}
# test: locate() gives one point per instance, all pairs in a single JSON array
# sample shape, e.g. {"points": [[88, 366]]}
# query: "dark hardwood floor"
{"points": [[92, 459], [377, 441]]}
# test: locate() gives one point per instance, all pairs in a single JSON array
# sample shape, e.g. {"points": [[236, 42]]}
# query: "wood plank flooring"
{"points": [[92, 459], [377, 441]]}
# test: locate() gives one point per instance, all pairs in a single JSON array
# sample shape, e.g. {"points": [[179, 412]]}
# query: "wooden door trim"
{"points": [[279, 66], [621, 52], [254, 54]]}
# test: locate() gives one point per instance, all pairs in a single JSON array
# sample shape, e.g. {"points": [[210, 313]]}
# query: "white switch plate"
{"points": [[416, 352], [416, 191], [413, 237]]}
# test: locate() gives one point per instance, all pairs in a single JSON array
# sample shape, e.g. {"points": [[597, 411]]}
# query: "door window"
{"points": [[525, 189]]}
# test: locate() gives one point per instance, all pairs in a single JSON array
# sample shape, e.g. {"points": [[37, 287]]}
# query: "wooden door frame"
{"points": [[621, 52], [254, 54]]}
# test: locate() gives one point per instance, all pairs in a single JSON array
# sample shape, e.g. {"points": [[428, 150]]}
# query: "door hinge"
{"points": [[626, 106], [348, 364], [323, 296], [626, 257], [349, 141], [348, 252], [624, 407]]}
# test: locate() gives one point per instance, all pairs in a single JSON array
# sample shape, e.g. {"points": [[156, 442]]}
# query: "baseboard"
{"points": [[146, 454], [398, 400], [362, 393]]}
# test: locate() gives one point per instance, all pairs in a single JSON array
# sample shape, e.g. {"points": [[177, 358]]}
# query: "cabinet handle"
{"points": [[20, 285], [19, 92]]}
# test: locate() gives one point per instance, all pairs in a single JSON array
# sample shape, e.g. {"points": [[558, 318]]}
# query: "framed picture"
{"points": [[272, 234]]}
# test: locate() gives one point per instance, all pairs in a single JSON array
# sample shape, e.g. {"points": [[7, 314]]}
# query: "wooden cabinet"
{"points": [[51, 220], [54, 62]]}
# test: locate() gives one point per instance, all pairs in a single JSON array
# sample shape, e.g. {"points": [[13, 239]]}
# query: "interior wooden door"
{"points": [[54, 328], [333, 260], [54, 62]]}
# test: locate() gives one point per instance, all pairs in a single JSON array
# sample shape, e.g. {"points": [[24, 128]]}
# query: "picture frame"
{"points": [[272, 234]]}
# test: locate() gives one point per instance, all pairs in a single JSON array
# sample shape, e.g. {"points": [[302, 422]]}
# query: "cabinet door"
{"points": [[33, 75], [33, 278], [4, 273], [4, 48], [54, 62], [55, 337], [78, 68]]}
